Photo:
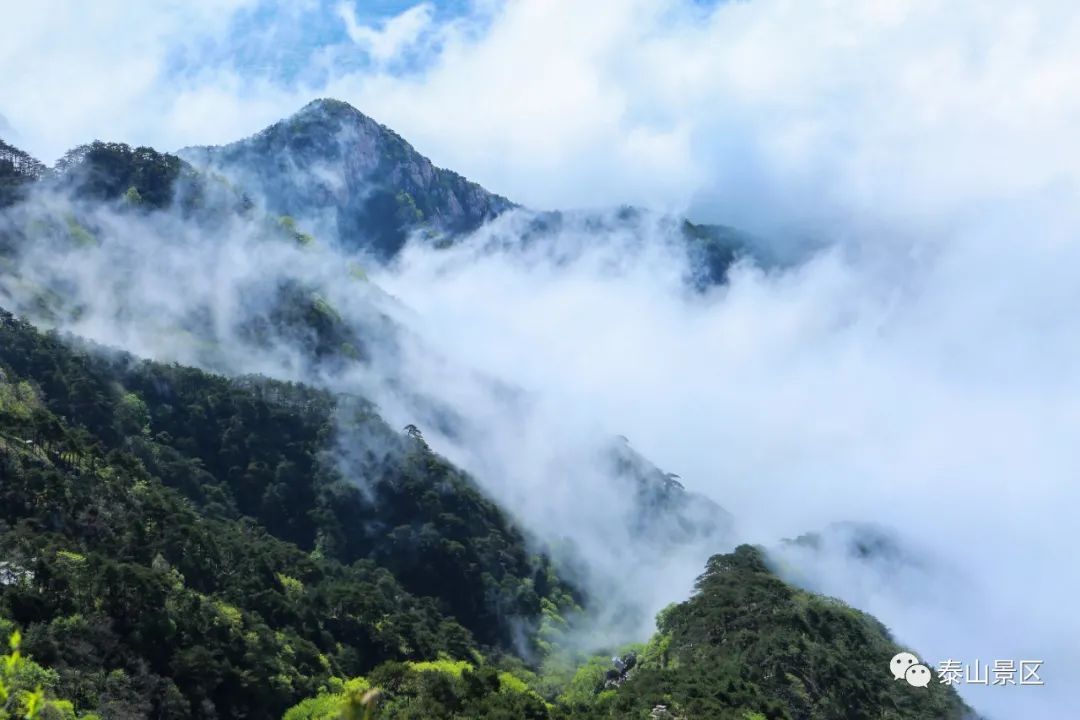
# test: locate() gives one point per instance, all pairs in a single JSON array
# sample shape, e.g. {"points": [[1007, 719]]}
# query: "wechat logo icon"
{"points": [[905, 666]]}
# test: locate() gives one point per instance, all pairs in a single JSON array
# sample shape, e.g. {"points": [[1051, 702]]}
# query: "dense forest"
{"points": [[143, 503], [746, 646]]}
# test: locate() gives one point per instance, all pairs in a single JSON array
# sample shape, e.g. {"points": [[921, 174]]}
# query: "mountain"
{"points": [[350, 178], [746, 646], [345, 178], [195, 537], [126, 210], [239, 531]]}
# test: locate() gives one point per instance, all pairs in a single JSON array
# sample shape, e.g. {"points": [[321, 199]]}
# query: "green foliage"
{"points": [[439, 690], [407, 212], [306, 320], [132, 415], [451, 667], [587, 681], [25, 687], [512, 683], [18, 400], [79, 234], [72, 558], [294, 589], [321, 707], [351, 700], [748, 646], [192, 542], [132, 196], [191, 546], [111, 171], [178, 544], [288, 225]]}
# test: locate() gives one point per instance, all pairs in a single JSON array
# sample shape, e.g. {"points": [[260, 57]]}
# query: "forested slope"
{"points": [[195, 534], [746, 646]]}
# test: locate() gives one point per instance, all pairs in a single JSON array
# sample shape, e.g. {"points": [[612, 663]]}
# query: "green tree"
{"points": [[23, 688]]}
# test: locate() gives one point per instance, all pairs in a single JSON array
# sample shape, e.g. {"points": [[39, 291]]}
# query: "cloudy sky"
{"points": [[920, 372], [908, 104]]}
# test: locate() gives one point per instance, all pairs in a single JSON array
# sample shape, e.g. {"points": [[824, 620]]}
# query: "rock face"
{"points": [[353, 180]]}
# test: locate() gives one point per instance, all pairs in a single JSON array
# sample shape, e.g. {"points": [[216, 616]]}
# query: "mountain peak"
{"points": [[351, 179], [330, 110], [329, 106]]}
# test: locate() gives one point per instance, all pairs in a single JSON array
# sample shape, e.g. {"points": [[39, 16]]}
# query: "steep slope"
{"points": [[125, 208], [118, 472], [352, 178], [144, 179], [710, 250]]}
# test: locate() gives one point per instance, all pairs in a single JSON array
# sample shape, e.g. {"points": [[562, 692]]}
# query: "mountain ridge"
{"points": [[357, 183]]}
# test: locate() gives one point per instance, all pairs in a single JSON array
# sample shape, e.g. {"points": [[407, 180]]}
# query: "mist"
{"points": [[182, 289], [924, 384]]}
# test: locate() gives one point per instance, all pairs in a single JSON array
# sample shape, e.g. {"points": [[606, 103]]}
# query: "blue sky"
{"points": [[259, 43]]}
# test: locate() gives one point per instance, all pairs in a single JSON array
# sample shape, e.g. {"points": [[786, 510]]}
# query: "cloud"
{"points": [[393, 37], [926, 385], [72, 72], [798, 112]]}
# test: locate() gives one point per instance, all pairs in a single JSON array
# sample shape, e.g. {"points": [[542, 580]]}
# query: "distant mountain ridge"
{"points": [[358, 180], [346, 179]]}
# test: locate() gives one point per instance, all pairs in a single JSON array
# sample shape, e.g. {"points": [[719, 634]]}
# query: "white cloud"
{"points": [[813, 109], [926, 386], [393, 36], [71, 72]]}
